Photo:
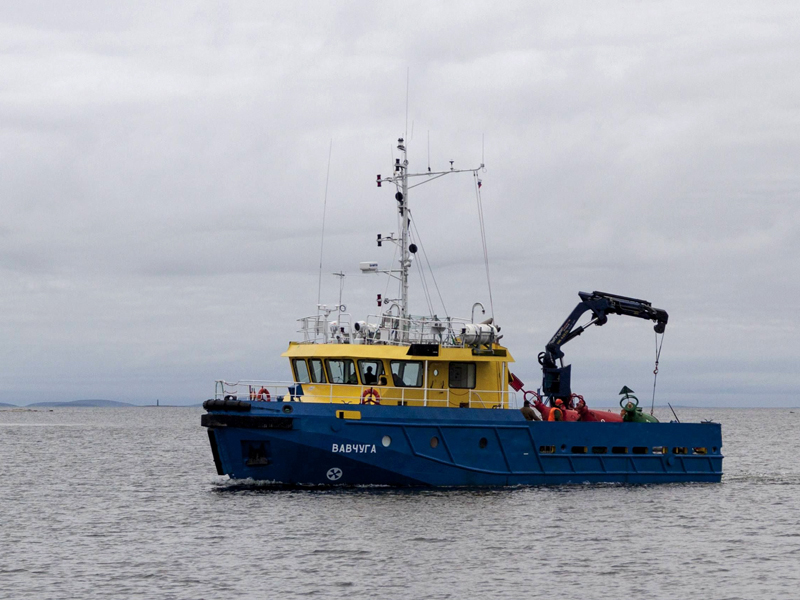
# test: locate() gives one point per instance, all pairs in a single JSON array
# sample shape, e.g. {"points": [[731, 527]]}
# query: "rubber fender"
{"points": [[226, 404]]}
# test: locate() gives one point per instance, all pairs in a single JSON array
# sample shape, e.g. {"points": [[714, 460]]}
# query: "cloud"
{"points": [[163, 172]]}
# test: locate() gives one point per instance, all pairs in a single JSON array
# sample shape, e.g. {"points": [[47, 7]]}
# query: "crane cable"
{"points": [[655, 371]]}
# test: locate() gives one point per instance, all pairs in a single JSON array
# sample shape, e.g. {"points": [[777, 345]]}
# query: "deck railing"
{"points": [[383, 330], [290, 391]]}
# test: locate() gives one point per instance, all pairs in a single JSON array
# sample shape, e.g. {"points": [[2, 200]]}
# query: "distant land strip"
{"points": [[91, 404]]}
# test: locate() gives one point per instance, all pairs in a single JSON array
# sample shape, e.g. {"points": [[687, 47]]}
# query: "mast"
{"points": [[400, 179], [402, 207]]}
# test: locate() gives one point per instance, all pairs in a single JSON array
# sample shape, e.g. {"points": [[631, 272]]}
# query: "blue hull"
{"points": [[315, 444]]}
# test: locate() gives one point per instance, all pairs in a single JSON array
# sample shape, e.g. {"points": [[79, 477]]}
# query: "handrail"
{"points": [[385, 329], [278, 390]]}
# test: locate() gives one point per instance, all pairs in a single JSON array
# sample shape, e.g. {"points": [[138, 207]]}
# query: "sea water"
{"points": [[125, 503]]}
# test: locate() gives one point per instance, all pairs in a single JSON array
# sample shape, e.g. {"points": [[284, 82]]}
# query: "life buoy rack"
{"points": [[263, 395], [370, 396]]}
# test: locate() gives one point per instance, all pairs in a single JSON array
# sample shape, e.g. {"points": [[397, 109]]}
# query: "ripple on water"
{"points": [[125, 503]]}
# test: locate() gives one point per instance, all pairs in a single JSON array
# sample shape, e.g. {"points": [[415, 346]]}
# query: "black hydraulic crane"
{"points": [[556, 382]]}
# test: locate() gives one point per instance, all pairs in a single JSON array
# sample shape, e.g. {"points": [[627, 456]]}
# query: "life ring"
{"points": [[263, 395], [370, 396]]}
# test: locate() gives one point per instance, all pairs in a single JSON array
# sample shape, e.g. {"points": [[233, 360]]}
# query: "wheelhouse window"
{"points": [[407, 373], [462, 375], [342, 370], [300, 371], [371, 370], [317, 370]]}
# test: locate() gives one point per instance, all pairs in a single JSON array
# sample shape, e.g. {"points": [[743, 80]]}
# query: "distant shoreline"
{"points": [[94, 404]]}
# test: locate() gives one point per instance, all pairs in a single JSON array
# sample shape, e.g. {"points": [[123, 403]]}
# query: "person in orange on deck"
{"points": [[557, 412]]}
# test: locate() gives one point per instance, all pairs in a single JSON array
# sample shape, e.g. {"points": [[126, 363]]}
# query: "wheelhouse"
{"points": [[416, 375]]}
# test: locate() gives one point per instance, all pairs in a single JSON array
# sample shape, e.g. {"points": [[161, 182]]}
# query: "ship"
{"points": [[406, 400]]}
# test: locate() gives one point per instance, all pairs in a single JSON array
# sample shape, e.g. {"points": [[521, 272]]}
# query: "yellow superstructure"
{"points": [[429, 375]]}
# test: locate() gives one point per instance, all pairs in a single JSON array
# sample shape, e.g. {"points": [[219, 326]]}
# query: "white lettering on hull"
{"points": [[354, 448]]}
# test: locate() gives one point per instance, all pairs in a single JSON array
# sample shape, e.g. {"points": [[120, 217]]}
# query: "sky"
{"points": [[165, 165]]}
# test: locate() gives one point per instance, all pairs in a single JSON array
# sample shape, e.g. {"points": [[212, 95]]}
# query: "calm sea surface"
{"points": [[126, 503]]}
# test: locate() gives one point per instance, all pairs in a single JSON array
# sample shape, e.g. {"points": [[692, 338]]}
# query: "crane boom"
{"points": [[557, 379]]}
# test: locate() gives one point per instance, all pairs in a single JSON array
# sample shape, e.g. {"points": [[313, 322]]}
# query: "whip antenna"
{"points": [[429, 150], [408, 76], [324, 209], [478, 184]]}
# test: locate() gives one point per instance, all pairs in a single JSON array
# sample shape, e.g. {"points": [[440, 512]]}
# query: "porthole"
{"points": [[434, 442], [641, 450], [436, 372], [287, 408], [483, 442], [619, 450], [563, 447], [547, 449], [579, 449], [599, 449], [386, 441]]}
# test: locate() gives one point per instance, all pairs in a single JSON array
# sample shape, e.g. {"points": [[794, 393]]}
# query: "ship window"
{"points": [[434, 442], [462, 375], [619, 450], [659, 450], [640, 450], [547, 449], [579, 449], [680, 450], [599, 449], [317, 371], [371, 370], [342, 370], [407, 373], [483, 443], [699, 451], [300, 371]]}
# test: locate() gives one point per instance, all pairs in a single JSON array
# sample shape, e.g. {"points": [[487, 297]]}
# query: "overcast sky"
{"points": [[164, 165]]}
